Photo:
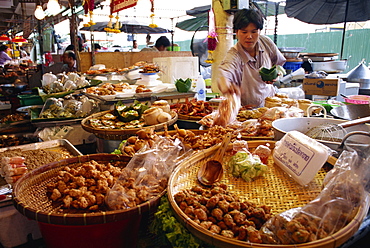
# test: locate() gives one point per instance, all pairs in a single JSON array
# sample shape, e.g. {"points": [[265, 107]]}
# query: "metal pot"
{"points": [[329, 66], [303, 124], [290, 55], [351, 112], [291, 52], [13, 89], [360, 74]]}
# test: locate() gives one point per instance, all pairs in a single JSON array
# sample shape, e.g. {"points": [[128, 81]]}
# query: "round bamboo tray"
{"points": [[121, 134], [275, 189], [189, 117], [30, 199], [214, 105]]}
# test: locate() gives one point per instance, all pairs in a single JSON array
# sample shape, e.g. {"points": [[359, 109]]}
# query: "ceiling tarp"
{"points": [[130, 27], [200, 15]]}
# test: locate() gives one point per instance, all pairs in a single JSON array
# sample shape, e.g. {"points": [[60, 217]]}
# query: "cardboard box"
{"points": [[321, 87]]}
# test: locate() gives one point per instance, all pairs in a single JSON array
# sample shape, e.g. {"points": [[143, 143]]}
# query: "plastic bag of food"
{"points": [[88, 107], [343, 193], [146, 175], [246, 165], [52, 108], [275, 113], [227, 110]]}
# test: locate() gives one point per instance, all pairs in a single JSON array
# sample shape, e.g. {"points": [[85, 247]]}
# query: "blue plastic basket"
{"points": [[293, 66]]}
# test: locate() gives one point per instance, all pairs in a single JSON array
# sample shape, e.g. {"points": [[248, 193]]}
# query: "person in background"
{"points": [[96, 47], [3, 55], [69, 62], [70, 48], [135, 46], [148, 42], [160, 45], [23, 52], [240, 67]]}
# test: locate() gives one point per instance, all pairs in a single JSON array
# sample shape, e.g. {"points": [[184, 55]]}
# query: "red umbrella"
{"points": [[4, 38]]}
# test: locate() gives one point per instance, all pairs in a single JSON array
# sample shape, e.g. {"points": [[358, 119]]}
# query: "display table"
{"points": [[15, 227]]}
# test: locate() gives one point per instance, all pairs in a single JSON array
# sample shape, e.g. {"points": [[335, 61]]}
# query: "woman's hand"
{"points": [[226, 87], [271, 82]]}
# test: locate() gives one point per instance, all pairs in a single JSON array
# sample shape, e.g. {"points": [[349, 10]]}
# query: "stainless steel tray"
{"points": [[46, 145]]}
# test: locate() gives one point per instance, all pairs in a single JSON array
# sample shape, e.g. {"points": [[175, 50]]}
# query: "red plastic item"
{"points": [[118, 234]]}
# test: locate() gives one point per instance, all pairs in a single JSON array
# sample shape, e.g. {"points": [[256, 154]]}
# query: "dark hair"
{"points": [[70, 54], [244, 17], [3, 48], [70, 47], [162, 41]]}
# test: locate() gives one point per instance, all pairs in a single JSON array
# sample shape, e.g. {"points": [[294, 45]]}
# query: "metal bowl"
{"points": [[303, 124], [13, 89]]}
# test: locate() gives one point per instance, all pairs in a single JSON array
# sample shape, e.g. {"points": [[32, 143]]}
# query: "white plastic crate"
{"points": [[177, 67]]}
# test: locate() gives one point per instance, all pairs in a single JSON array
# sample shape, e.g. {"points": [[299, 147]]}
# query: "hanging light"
{"points": [[3, 37], [53, 7], [39, 12]]}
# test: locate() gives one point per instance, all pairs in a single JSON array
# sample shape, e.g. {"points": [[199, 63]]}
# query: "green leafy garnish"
{"points": [[183, 85], [268, 75], [167, 227]]}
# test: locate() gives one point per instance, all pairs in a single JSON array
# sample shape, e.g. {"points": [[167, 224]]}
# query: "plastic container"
{"points": [[177, 67], [357, 99], [292, 65], [28, 100], [326, 105], [200, 89], [300, 156]]}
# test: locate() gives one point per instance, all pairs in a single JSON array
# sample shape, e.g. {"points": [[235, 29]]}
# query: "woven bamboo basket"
{"points": [[30, 197], [275, 189], [201, 132], [121, 134], [189, 117]]}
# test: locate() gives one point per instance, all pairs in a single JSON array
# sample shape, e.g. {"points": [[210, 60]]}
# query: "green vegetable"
{"points": [[130, 115], [268, 75], [170, 230], [247, 166], [132, 112], [139, 107], [183, 85], [118, 150]]}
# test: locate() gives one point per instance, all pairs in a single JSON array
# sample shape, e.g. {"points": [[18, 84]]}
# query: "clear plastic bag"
{"points": [[146, 175], [228, 110], [343, 193], [52, 107]]}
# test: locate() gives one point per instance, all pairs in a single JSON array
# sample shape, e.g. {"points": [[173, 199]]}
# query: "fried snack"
{"points": [[83, 187], [221, 212], [142, 88], [272, 102]]}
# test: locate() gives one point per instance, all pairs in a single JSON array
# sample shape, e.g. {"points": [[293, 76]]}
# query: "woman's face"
{"points": [[248, 36]]}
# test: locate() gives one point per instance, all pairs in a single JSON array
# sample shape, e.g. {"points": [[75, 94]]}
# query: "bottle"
{"points": [[200, 89]]}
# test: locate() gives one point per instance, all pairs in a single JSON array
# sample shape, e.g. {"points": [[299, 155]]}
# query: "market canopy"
{"points": [[130, 27], [199, 22], [329, 12]]}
